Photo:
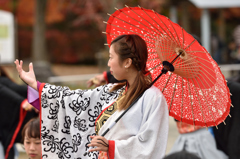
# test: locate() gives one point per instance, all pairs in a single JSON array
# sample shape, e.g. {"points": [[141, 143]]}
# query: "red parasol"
{"points": [[195, 88]]}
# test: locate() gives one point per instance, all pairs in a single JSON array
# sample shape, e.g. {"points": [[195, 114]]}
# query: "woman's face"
{"points": [[32, 147], [117, 70]]}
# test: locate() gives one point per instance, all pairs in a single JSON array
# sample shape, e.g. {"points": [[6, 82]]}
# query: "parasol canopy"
{"points": [[194, 87]]}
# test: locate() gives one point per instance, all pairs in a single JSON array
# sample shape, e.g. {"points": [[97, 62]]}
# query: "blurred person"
{"points": [[236, 36], [231, 50], [182, 155], [217, 48], [228, 136], [15, 111], [68, 117], [197, 140], [104, 78], [31, 138]]}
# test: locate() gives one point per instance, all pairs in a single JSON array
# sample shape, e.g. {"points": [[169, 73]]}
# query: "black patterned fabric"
{"points": [[68, 119]]}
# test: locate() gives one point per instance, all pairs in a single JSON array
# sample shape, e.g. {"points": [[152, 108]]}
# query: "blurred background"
{"points": [[64, 39]]}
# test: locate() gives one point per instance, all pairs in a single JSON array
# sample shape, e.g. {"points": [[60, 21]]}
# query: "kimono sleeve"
{"points": [[68, 118]]}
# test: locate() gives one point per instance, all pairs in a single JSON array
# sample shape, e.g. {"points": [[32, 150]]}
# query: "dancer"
{"points": [[72, 121]]}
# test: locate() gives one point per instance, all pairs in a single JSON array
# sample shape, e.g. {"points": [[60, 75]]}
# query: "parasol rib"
{"points": [[161, 46], [174, 31], [154, 21], [165, 26], [198, 52], [167, 82], [135, 25], [189, 44], [217, 99], [207, 104], [158, 24], [129, 31], [174, 89], [143, 24], [155, 67], [208, 74], [183, 38], [182, 102], [200, 105], [156, 58], [213, 83], [191, 103]]}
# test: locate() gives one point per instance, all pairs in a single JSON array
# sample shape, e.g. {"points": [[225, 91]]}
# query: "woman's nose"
{"points": [[32, 146]]}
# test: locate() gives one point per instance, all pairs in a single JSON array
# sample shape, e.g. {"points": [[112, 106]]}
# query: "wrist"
{"points": [[34, 85]]}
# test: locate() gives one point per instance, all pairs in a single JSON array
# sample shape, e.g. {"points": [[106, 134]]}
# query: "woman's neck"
{"points": [[132, 77]]}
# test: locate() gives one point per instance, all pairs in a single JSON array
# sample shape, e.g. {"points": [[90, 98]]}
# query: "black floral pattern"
{"points": [[80, 124], [54, 109], [67, 125], [55, 126], [79, 105], [94, 113], [74, 114], [76, 141]]}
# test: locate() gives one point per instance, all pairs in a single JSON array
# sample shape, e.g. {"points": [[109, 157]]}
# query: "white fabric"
{"points": [[68, 119], [200, 142], [143, 131]]}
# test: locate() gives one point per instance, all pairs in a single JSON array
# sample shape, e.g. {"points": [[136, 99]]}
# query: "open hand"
{"points": [[99, 143], [27, 77]]}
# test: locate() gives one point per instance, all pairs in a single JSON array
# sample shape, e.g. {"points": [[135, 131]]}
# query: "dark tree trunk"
{"points": [[42, 66]]}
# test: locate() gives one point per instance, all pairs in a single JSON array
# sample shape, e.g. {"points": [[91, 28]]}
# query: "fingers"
{"points": [[89, 83], [99, 143], [31, 67], [18, 65], [93, 82]]}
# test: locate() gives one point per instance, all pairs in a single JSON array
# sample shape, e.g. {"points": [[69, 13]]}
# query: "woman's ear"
{"points": [[127, 62]]}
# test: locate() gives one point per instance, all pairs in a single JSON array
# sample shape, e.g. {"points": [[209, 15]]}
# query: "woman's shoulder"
{"points": [[153, 90]]}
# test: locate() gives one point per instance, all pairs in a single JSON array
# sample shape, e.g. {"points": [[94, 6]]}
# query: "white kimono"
{"points": [[68, 119]]}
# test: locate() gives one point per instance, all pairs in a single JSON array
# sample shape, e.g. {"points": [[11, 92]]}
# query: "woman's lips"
{"points": [[32, 155]]}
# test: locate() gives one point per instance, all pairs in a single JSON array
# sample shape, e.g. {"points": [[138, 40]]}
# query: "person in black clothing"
{"points": [[228, 136], [13, 114]]}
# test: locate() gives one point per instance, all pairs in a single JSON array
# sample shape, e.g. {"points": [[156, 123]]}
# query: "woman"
{"points": [[31, 138], [69, 116]]}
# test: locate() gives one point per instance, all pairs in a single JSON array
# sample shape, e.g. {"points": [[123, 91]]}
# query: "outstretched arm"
{"points": [[27, 77]]}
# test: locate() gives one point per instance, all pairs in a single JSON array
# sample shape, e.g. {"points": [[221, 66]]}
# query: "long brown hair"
{"points": [[134, 47], [31, 129]]}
